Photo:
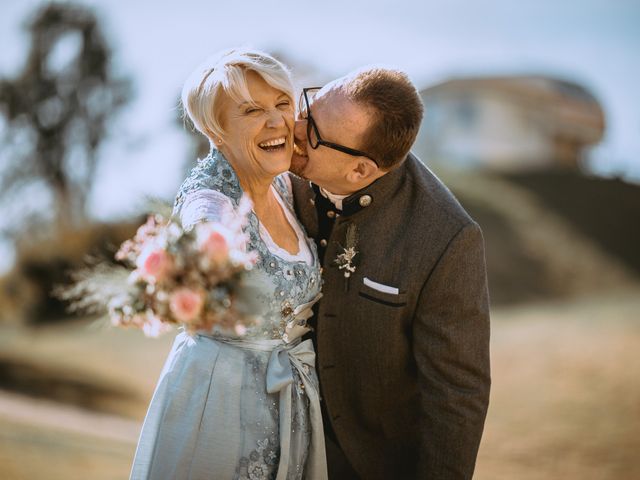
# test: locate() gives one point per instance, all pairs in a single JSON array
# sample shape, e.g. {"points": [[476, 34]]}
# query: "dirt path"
{"points": [[55, 416], [34, 452]]}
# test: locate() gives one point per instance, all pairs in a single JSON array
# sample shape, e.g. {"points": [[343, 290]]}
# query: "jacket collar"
{"points": [[380, 192]]}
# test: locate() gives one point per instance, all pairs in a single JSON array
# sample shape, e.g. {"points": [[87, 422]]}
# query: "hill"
{"points": [[605, 210], [553, 234]]}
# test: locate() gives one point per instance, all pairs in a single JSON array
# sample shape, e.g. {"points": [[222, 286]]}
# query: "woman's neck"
{"points": [[257, 185], [259, 191]]}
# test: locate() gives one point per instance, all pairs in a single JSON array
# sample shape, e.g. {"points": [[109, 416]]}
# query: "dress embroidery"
{"points": [[262, 462]]}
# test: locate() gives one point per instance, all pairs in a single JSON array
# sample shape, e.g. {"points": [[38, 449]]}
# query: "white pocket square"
{"points": [[380, 287]]}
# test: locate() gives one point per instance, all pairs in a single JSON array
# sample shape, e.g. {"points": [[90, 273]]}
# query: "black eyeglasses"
{"points": [[313, 135]]}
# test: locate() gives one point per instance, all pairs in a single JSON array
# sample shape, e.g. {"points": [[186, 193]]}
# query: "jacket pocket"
{"points": [[384, 298]]}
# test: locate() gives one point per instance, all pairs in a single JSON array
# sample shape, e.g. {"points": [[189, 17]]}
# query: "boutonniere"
{"points": [[345, 260]]}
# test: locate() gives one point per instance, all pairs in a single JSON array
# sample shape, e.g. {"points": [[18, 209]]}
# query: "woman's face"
{"points": [[258, 138]]}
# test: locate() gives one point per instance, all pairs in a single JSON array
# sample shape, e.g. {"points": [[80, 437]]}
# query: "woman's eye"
{"points": [[284, 104], [251, 110]]}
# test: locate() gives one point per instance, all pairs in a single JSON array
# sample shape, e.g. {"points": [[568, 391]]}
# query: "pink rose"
{"points": [[215, 245], [186, 304], [155, 264]]}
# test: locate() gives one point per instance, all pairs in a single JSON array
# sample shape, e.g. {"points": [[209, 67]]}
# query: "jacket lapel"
{"points": [[304, 203]]}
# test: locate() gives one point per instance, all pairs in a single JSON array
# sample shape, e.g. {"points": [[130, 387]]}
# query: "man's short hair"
{"points": [[397, 112]]}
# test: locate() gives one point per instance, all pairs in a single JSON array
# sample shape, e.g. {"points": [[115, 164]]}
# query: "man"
{"points": [[402, 332]]}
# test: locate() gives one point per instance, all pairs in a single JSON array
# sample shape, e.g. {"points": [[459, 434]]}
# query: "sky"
{"points": [[157, 44]]}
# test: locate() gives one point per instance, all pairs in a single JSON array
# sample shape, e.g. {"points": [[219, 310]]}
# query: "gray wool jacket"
{"points": [[403, 343]]}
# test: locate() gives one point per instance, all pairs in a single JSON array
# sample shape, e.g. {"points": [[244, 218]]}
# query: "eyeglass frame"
{"points": [[311, 123]]}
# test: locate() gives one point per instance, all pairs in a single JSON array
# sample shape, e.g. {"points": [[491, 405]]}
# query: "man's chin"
{"points": [[298, 165]]}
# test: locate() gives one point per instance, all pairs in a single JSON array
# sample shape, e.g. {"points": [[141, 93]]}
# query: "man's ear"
{"points": [[363, 171]]}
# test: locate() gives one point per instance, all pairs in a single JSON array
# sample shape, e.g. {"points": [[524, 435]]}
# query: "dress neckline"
{"points": [[277, 249]]}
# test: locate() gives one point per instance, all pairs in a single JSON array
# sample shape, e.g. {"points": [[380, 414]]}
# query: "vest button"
{"points": [[331, 214], [323, 243], [365, 200]]}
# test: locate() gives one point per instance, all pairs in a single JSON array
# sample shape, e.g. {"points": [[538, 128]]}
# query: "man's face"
{"points": [[340, 121]]}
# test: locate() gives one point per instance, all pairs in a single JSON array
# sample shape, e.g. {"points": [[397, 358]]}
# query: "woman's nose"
{"points": [[276, 119]]}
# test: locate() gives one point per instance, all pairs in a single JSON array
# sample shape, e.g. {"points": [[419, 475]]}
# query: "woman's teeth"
{"points": [[273, 144]]}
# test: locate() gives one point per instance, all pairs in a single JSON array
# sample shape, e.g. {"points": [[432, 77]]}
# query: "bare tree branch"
{"points": [[65, 104]]}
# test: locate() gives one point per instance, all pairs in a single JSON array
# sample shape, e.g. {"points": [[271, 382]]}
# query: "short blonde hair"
{"points": [[226, 72]]}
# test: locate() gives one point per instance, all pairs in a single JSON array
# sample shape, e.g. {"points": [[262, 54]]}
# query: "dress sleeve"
{"points": [[203, 205]]}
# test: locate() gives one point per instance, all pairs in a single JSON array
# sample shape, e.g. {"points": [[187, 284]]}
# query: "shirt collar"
{"points": [[333, 198]]}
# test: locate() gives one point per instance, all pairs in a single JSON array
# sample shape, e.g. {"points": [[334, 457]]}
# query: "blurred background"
{"points": [[532, 118]]}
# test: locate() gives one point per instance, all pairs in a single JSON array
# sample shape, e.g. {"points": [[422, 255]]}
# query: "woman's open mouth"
{"points": [[275, 145]]}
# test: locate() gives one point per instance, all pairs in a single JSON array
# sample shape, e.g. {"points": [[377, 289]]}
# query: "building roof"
{"points": [[568, 106]]}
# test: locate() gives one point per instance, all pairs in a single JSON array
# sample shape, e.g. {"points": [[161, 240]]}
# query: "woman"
{"points": [[228, 407]]}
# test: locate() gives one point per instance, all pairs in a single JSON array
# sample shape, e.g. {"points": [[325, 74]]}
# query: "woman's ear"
{"points": [[216, 139]]}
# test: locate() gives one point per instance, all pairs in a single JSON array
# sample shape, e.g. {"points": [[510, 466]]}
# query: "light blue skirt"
{"points": [[234, 409]]}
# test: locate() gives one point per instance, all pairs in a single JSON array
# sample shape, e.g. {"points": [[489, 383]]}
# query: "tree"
{"points": [[56, 113]]}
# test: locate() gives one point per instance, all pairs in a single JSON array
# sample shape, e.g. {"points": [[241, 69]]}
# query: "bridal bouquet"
{"points": [[176, 276]]}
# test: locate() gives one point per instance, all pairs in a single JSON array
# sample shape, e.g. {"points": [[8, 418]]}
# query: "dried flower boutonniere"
{"points": [[345, 260]]}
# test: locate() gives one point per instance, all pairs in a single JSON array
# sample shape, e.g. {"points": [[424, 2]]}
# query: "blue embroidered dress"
{"points": [[240, 408]]}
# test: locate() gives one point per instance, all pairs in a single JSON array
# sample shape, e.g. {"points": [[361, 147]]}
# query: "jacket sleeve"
{"points": [[451, 347]]}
